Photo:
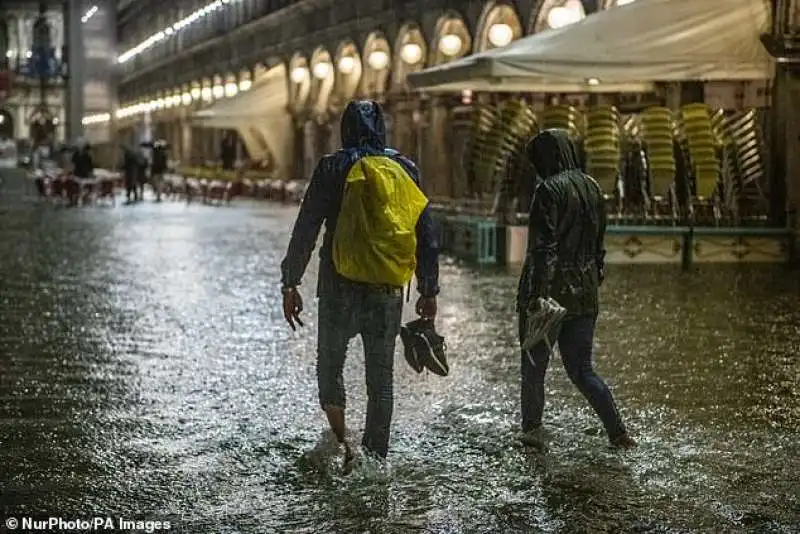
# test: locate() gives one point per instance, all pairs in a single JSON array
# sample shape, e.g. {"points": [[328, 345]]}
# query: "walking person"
{"points": [[564, 262], [158, 167], [131, 164], [365, 260]]}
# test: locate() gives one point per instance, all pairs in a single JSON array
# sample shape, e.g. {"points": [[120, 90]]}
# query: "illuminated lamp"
{"points": [[558, 17], [378, 59], [245, 85], [411, 53], [195, 93], [186, 99], [299, 74], [231, 89], [322, 70], [347, 64], [450, 45], [218, 91], [500, 35]]}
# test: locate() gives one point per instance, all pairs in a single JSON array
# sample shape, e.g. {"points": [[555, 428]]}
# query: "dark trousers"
{"points": [[348, 310], [575, 346]]}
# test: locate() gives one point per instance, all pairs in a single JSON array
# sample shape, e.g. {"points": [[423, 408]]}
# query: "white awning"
{"points": [[260, 116], [622, 49]]}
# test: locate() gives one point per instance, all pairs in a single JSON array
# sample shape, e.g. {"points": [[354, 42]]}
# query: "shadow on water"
{"points": [[145, 372]]}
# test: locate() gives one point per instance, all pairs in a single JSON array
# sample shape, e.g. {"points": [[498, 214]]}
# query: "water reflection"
{"points": [[145, 371]]}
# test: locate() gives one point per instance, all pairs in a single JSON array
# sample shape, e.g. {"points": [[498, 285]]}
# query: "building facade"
{"points": [[176, 60], [22, 99]]}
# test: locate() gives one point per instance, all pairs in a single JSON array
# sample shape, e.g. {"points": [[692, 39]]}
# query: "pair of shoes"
{"points": [[544, 324], [423, 347]]}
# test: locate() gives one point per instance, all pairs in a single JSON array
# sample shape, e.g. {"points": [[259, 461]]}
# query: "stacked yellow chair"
{"points": [[658, 133], [602, 144], [697, 128], [484, 119], [508, 135], [564, 117]]}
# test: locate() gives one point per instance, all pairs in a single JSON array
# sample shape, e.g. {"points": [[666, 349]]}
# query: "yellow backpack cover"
{"points": [[376, 240]]}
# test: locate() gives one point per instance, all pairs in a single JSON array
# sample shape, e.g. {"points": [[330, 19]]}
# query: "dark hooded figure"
{"points": [[565, 262], [131, 167], [348, 308]]}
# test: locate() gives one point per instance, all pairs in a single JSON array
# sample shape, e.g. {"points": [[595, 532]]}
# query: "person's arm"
{"points": [[601, 248], [427, 272], [542, 244], [307, 226]]}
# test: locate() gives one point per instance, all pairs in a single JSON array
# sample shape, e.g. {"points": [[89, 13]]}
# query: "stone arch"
{"points": [[451, 40], [323, 76], [299, 79], [259, 71], [557, 14], [377, 61], [6, 124], [410, 53], [498, 25], [349, 70]]}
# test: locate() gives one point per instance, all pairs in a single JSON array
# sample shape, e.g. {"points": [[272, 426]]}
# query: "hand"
{"points": [[292, 306], [426, 307]]}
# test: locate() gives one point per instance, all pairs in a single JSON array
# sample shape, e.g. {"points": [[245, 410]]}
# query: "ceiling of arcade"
{"points": [[369, 56]]}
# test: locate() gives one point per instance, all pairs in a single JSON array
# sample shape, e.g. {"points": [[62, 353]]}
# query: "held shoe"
{"points": [[544, 324], [423, 347]]}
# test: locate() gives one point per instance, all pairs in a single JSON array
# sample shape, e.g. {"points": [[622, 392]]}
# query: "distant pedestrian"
{"points": [[378, 234], [564, 262]]}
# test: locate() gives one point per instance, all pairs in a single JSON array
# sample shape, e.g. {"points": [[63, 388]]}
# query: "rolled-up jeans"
{"points": [[575, 345], [347, 309]]}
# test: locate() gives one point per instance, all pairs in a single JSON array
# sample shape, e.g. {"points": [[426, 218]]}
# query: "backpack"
{"points": [[375, 240]]}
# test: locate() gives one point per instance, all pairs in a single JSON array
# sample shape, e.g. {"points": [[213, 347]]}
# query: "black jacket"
{"points": [[565, 258]]}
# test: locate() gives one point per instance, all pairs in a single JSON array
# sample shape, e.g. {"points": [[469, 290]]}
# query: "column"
{"points": [[436, 158], [73, 37], [186, 142]]}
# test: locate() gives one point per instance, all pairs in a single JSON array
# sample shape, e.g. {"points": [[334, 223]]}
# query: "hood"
{"points": [[552, 152], [363, 125]]}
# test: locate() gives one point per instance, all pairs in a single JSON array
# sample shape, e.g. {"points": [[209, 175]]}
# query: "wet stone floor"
{"points": [[146, 373]]}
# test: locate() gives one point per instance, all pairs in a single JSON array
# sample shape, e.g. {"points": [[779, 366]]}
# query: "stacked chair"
{"points": [[602, 147], [514, 126], [564, 117], [478, 162], [658, 135], [705, 165], [747, 149]]}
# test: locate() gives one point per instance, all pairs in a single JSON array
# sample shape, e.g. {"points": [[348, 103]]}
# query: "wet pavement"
{"points": [[146, 372]]}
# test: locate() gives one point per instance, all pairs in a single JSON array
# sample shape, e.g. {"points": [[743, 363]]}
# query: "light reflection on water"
{"points": [[146, 371]]}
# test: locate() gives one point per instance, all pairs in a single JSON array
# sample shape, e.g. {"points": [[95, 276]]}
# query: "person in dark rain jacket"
{"points": [[565, 261], [131, 163], [347, 308]]}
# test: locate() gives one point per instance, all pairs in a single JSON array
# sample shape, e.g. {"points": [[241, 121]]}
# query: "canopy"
{"points": [[622, 49], [260, 116]]}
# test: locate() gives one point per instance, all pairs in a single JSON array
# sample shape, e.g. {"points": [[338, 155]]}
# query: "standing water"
{"points": [[146, 373]]}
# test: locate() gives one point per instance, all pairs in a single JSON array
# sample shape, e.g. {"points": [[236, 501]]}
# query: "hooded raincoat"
{"points": [[565, 258], [363, 133]]}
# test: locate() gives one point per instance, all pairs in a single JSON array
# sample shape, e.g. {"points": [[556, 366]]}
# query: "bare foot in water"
{"points": [[349, 459]]}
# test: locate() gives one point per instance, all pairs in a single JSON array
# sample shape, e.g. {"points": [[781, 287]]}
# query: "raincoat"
{"points": [[565, 258], [363, 132]]}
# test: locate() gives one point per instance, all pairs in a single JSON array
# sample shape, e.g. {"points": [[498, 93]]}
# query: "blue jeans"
{"points": [[575, 345], [345, 310]]}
